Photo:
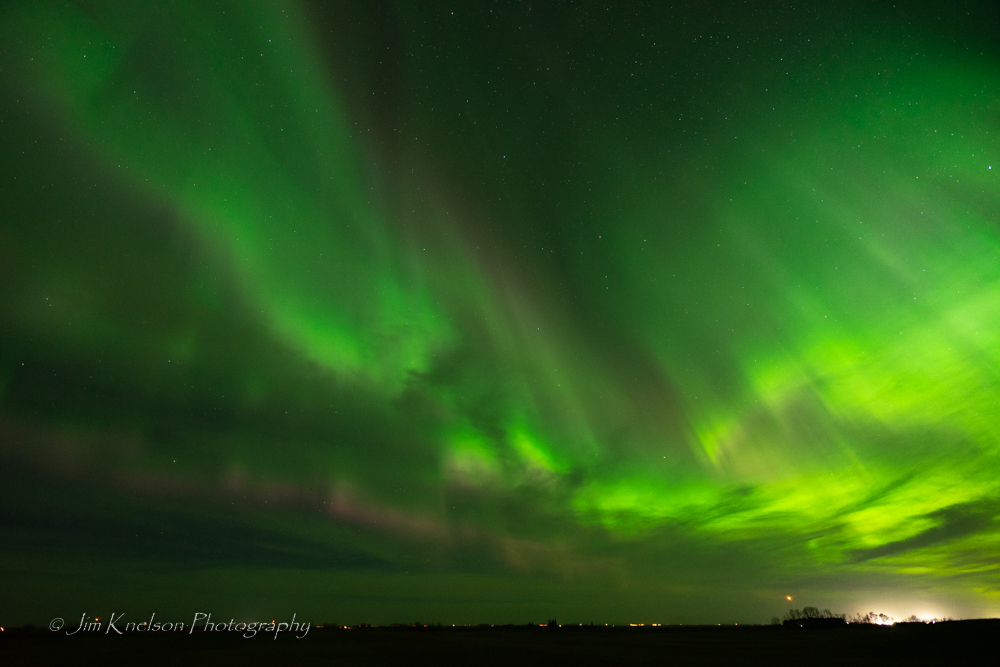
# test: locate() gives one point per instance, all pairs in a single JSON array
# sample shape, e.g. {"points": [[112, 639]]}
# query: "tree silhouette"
{"points": [[871, 618], [810, 612], [813, 617]]}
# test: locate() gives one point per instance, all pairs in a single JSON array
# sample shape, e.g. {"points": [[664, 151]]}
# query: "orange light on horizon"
{"points": [[788, 597]]}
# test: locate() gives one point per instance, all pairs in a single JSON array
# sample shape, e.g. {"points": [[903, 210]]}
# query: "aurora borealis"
{"points": [[482, 312]]}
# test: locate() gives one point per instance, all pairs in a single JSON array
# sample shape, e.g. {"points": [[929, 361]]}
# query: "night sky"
{"points": [[497, 312]]}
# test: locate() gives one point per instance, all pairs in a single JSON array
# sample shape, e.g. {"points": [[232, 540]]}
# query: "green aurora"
{"points": [[493, 313]]}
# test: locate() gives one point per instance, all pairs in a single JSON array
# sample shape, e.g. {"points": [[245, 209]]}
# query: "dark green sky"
{"points": [[479, 312]]}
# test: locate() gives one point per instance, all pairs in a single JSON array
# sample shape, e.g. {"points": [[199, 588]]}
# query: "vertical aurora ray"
{"points": [[857, 310], [362, 292], [255, 153]]}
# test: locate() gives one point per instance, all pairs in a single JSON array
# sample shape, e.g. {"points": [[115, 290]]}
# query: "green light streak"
{"points": [[257, 156]]}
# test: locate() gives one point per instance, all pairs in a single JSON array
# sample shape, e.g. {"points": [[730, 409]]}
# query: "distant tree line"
{"points": [[810, 617], [811, 612], [871, 618], [813, 617]]}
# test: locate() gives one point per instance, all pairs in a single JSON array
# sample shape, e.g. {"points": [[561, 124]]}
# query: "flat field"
{"points": [[954, 642]]}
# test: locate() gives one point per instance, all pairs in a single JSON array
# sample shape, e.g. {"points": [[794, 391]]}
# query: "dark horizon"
{"points": [[90, 626], [910, 643]]}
